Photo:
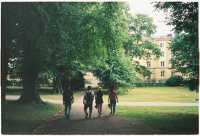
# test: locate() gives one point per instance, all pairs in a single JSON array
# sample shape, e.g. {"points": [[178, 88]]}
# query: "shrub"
{"points": [[192, 84], [14, 83], [174, 81]]}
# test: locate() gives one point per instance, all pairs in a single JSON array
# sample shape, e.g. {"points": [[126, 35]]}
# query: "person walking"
{"points": [[112, 99], [88, 101], [99, 101], [68, 99]]}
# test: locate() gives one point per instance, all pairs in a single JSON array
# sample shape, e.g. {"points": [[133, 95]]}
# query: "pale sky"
{"points": [[145, 7]]}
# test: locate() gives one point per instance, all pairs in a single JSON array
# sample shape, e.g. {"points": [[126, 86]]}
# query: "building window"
{"points": [[162, 73], [162, 63], [161, 45], [148, 64]]}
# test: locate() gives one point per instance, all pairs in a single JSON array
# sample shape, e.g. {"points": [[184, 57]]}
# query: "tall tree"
{"points": [[59, 34], [9, 33], [184, 47], [139, 43], [115, 67]]}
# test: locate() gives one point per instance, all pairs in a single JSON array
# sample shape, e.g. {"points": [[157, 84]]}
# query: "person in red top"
{"points": [[112, 99]]}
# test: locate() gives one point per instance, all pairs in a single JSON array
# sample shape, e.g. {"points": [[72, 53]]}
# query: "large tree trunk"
{"points": [[30, 75], [29, 92]]}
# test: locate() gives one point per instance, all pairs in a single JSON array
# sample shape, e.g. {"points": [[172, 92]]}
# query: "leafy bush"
{"points": [[174, 81], [148, 84], [14, 83], [192, 84], [122, 90], [117, 69]]}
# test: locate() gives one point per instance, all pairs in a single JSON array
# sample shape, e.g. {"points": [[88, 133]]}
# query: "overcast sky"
{"points": [[145, 7]]}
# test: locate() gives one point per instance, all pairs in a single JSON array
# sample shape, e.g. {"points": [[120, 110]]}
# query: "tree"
{"points": [[9, 33], [184, 18], [139, 43], [115, 67], [53, 35], [141, 26]]}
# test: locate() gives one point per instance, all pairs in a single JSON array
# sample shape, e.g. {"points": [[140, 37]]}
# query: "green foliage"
{"points": [[117, 69], [146, 84], [184, 47], [193, 84], [14, 83], [139, 42], [142, 26], [75, 36], [174, 81], [143, 70], [183, 16], [68, 35], [185, 55]]}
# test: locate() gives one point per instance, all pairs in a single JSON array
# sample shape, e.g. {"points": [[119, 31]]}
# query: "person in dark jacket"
{"points": [[99, 101], [112, 99], [68, 99], [88, 101]]}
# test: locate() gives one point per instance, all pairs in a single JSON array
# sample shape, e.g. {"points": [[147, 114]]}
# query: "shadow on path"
{"points": [[103, 125]]}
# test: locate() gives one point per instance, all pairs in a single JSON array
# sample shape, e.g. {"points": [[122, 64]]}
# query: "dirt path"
{"points": [[123, 103], [104, 125]]}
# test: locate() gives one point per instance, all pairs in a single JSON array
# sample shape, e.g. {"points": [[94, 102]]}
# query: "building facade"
{"points": [[161, 68]]}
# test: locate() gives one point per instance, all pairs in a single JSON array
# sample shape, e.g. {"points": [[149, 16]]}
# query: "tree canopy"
{"points": [[184, 18], [74, 36], [139, 43]]}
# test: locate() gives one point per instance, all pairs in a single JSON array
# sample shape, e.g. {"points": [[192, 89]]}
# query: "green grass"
{"points": [[140, 94], [161, 94], [23, 118], [143, 94], [169, 120], [18, 118]]}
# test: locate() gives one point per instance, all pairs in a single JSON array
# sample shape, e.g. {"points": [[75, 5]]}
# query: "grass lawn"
{"points": [[169, 120], [147, 94], [140, 94], [23, 118], [161, 94]]}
